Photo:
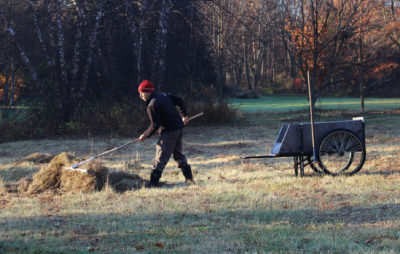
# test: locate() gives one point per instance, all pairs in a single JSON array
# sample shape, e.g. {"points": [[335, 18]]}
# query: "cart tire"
{"points": [[341, 152]]}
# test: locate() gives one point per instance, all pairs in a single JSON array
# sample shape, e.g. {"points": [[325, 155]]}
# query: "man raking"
{"points": [[163, 115]]}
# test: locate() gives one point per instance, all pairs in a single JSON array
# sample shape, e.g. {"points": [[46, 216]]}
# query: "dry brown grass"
{"points": [[237, 206], [37, 158]]}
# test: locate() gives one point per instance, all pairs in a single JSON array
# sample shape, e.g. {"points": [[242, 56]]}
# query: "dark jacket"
{"points": [[163, 114]]}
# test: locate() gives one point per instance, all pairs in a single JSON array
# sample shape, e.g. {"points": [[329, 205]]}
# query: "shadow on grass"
{"points": [[195, 232], [384, 173]]}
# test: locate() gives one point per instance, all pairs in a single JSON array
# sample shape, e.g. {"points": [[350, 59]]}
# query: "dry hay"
{"points": [[76, 181], [54, 176], [48, 178], [121, 181], [19, 186], [2, 186], [38, 158]]}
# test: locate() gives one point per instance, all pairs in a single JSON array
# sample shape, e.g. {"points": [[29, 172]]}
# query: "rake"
{"points": [[76, 166]]}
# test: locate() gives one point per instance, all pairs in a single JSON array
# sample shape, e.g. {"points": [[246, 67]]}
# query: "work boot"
{"points": [[187, 173], [154, 179]]}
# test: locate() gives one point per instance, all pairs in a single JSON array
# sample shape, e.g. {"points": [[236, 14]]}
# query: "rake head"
{"points": [[76, 169]]}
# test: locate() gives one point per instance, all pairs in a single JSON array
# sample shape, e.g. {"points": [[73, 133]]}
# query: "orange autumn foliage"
{"points": [[383, 69], [18, 86]]}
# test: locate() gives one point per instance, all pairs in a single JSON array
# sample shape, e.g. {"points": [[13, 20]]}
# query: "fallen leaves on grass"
{"points": [[160, 245]]}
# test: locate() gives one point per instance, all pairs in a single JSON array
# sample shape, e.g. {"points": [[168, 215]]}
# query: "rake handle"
{"points": [[104, 153], [195, 116], [121, 146]]}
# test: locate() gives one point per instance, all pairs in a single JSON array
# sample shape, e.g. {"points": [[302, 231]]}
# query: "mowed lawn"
{"points": [[236, 206], [299, 103]]}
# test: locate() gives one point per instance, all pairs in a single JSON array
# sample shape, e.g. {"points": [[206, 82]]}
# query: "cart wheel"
{"points": [[314, 166], [341, 152], [296, 165]]}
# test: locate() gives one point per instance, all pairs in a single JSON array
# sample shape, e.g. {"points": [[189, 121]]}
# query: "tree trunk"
{"points": [[12, 88], [143, 15], [25, 59], [6, 90], [246, 64], [39, 33], [92, 44], [60, 44], [161, 47], [77, 46], [134, 31], [51, 34]]}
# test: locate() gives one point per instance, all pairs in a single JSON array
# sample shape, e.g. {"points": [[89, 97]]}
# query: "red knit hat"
{"points": [[146, 87]]}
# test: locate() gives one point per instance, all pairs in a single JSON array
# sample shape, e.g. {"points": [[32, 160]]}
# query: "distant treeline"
{"points": [[77, 60]]}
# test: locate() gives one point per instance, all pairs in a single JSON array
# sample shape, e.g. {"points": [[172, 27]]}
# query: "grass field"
{"points": [[299, 103], [236, 206]]}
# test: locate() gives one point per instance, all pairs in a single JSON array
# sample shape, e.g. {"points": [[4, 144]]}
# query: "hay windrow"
{"points": [[93, 180], [55, 176], [48, 178], [37, 158]]}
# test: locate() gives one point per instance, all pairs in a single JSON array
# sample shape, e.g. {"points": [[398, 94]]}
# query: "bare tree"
{"points": [[24, 57], [318, 33], [159, 59]]}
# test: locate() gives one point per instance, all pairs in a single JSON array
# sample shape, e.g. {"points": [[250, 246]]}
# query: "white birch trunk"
{"points": [[138, 33], [143, 12], [161, 48], [60, 44], [92, 44], [77, 46], [39, 32], [24, 57], [134, 30], [51, 36]]}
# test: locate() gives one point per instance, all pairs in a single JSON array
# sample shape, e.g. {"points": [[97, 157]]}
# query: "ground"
{"points": [[236, 206]]}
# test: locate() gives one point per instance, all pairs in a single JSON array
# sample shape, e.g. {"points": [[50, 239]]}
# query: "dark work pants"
{"points": [[169, 143]]}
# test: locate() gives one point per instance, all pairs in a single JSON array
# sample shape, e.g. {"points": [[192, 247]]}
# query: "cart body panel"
{"points": [[295, 139]]}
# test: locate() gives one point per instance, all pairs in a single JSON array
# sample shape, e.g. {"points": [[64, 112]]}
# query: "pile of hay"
{"points": [[93, 180], [55, 177], [121, 181], [37, 158]]}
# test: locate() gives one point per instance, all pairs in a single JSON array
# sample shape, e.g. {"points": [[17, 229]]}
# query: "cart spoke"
{"points": [[341, 152]]}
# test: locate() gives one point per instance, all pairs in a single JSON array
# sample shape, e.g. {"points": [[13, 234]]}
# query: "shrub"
{"points": [[97, 119]]}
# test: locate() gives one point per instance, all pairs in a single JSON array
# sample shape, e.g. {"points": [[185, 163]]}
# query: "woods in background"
{"points": [[74, 62]]}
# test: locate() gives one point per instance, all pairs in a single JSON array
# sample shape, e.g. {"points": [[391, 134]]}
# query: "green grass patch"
{"points": [[282, 103]]}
